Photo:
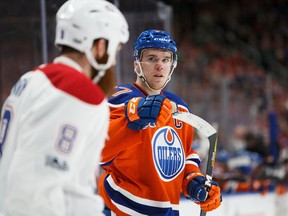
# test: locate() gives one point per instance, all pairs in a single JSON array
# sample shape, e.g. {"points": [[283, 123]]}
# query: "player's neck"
{"points": [[144, 87], [82, 60]]}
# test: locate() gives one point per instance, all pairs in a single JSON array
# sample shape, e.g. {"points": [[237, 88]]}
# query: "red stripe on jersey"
{"points": [[73, 82]]}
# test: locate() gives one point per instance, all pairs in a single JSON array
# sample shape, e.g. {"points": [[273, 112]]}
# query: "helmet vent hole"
{"points": [[77, 41], [62, 34], [94, 12], [76, 26]]}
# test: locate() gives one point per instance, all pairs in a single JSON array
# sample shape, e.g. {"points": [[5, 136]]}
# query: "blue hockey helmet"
{"points": [[156, 39]]}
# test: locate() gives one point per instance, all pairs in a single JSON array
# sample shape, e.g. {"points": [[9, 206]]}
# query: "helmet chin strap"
{"points": [[144, 79], [100, 74], [101, 68]]}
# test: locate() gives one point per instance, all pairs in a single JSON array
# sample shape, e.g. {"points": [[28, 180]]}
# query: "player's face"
{"points": [[156, 66]]}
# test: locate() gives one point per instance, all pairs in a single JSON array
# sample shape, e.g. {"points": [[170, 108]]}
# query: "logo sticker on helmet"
{"points": [[168, 153]]}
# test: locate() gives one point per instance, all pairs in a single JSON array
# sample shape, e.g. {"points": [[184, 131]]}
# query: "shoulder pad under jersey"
{"points": [[173, 97], [124, 92]]}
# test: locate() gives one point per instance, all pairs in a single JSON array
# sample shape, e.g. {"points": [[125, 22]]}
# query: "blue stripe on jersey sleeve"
{"points": [[193, 159]]}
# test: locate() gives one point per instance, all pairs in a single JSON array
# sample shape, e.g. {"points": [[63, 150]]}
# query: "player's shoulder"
{"points": [[72, 82], [175, 98], [123, 93]]}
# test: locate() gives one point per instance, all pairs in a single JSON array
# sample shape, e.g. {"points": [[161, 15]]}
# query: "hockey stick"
{"points": [[210, 132]]}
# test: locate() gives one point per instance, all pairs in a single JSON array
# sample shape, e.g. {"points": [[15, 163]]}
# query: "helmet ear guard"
{"points": [[81, 22]]}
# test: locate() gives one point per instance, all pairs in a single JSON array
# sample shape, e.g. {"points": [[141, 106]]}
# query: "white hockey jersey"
{"points": [[53, 127]]}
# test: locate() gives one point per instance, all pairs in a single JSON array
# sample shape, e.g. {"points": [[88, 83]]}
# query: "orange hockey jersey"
{"points": [[144, 170]]}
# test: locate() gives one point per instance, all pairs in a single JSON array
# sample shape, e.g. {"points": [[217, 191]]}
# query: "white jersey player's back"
{"points": [[53, 124]]}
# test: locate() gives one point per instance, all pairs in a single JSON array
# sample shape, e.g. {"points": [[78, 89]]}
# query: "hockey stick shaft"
{"points": [[211, 160], [210, 132]]}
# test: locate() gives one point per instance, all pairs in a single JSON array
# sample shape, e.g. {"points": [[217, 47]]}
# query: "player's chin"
{"points": [[158, 86], [160, 82]]}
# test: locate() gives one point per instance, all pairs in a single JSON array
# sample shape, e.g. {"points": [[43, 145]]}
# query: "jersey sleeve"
{"points": [[193, 160], [118, 136]]}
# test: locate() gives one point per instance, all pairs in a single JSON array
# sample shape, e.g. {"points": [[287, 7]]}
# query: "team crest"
{"points": [[167, 153]]}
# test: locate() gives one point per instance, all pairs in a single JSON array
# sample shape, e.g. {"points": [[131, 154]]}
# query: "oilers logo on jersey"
{"points": [[168, 153]]}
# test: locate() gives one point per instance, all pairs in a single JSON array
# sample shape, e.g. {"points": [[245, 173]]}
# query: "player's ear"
{"points": [[99, 48], [136, 66]]}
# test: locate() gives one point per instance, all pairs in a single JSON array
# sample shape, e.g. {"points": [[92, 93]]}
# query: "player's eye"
{"points": [[166, 60], [152, 59]]}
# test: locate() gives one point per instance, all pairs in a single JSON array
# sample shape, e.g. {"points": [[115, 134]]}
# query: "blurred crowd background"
{"points": [[232, 71]]}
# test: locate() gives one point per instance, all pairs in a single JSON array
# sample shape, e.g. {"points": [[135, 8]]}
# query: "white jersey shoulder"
{"points": [[50, 146]]}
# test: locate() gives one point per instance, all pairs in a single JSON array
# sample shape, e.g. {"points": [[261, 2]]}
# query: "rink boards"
{"points": [[246, 204]]}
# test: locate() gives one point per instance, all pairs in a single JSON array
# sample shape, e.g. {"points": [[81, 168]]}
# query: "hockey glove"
{"points": [[214, 198], [142, 111], [202, 191]]}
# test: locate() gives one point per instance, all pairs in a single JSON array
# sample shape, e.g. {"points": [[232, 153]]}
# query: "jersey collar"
{"points": [[68, 61]]}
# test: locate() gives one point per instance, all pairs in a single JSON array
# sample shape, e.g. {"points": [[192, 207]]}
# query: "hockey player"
{"points": [[148, 160], [55, 121]]}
